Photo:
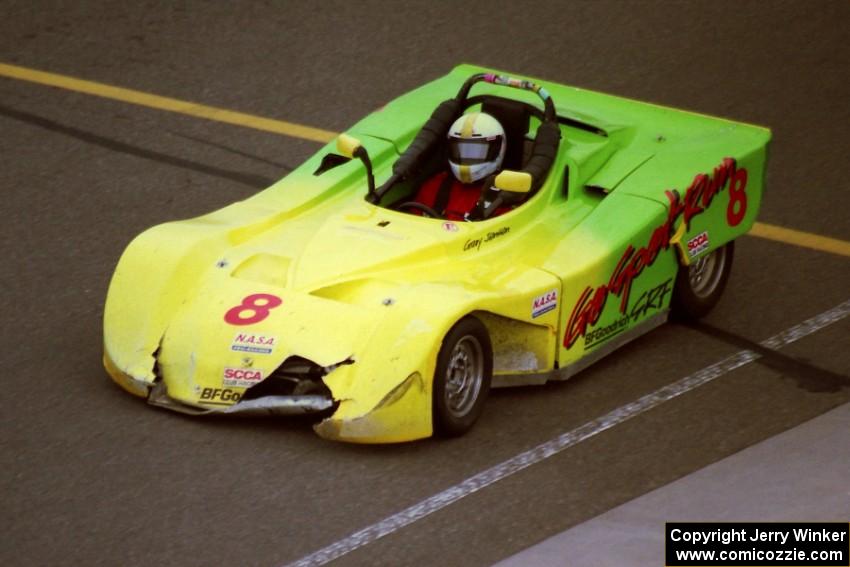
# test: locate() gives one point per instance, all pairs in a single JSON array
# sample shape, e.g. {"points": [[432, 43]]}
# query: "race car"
{"points": [[336, 292]]}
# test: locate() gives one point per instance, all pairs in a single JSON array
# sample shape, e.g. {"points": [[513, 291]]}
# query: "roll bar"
{"points": [[436, 128], [504, 80]]}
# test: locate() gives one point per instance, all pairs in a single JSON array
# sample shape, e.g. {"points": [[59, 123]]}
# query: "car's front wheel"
{"points": [[700, 285], [462, 379]]}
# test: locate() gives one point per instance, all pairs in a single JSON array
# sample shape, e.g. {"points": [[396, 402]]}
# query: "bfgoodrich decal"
{"points": [[646, 303], [220, 396]]}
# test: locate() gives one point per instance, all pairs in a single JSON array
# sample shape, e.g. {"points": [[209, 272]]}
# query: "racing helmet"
{"points": [[476, 146]]}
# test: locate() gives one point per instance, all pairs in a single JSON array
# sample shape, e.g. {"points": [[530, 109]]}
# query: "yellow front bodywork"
{"points": [[356, 282]]}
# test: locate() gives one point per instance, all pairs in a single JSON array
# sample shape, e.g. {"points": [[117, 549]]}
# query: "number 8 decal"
{"points": [[737, 209], [258, 304]]}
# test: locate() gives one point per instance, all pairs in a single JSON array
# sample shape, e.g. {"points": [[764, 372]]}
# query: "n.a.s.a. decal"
{"points": [[253, 342], [544, 303], [698, 197]]}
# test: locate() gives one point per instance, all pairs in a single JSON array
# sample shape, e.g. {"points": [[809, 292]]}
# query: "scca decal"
{"points": [[242, 377], [698, 197], [698, 243]]}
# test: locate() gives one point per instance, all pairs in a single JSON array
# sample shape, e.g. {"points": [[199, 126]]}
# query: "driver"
{"points": [[476, 150]]}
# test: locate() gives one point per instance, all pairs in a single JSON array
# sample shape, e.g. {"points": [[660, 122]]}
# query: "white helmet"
{"points": [[476, 146]]}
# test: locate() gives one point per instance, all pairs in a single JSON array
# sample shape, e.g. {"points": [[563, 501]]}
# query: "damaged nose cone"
{"points": [[281, 405], [294, 388], [267, 405]]}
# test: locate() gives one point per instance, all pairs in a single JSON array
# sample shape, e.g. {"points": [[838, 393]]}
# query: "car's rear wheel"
{"points": [[462, 379], [700, 285]]}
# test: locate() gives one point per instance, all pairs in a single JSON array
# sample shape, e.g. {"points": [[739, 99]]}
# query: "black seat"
{"points": [[514, 118]]}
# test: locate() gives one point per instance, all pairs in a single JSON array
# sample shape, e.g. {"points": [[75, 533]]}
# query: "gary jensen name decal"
{"points": [[475, 243]]}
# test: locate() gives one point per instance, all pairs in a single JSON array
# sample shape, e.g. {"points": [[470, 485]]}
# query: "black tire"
{"points": [[695, 293], [462, 378]]}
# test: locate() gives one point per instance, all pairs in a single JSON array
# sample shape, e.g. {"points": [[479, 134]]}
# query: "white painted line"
{"points": [[565, 441]]}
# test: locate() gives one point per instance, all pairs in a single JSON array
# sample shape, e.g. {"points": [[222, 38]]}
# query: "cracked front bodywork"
{"points": [[401, 415], [196, 363], [373, 346]]}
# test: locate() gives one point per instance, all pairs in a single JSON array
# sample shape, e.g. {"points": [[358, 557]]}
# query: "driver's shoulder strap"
{"points": [[444, 193]]}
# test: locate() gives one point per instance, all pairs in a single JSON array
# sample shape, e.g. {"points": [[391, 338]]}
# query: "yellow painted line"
{"points": [[800, 238], [166, 103], [760, 230]]}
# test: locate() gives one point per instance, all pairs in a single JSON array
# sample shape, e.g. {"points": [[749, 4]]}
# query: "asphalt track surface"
{"points": [[92, 476]]}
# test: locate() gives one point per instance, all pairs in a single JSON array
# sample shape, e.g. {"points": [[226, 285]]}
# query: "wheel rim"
{"points": [[464, 376], [705, 274]]}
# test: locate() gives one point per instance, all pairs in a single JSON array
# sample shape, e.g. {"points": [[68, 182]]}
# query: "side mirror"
{"points": [[347, 145], [513, 181], [350, 147]]}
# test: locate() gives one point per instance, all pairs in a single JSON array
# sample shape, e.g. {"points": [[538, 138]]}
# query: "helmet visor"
{"points": [[465, 151]]}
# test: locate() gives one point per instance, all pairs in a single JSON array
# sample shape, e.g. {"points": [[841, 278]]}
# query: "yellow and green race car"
{"points": [[337, 292]]}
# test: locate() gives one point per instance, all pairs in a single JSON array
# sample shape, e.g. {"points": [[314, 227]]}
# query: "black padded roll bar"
{"points": [[548, 137], [548, 105], [434, 131]]}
